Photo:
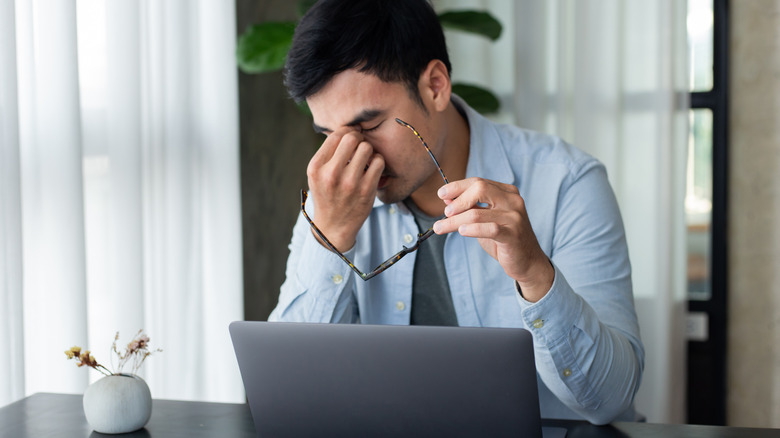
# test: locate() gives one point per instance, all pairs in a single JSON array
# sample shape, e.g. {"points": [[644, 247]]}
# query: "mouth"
{"points": [[383, 180]]}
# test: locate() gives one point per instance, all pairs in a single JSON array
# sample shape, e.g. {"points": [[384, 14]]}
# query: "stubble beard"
{"points": [[392, 195], [399, 189]]}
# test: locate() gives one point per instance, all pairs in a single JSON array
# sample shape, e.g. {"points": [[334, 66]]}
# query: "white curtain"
{"points": [[11, 327], [608, 76], [119, 192]]}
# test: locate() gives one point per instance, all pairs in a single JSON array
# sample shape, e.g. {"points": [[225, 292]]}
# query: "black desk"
{"points": [[61, 415]]}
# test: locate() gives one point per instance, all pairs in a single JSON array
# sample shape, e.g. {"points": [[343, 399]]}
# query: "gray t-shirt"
{"points": [[431, 297]]}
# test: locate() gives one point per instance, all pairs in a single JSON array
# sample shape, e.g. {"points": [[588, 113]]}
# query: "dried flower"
{"points": [[137, 350], [73, 352], [84, 358]]}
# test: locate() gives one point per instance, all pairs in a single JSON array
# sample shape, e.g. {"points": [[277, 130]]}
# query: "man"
{"points": [[527, 231]]}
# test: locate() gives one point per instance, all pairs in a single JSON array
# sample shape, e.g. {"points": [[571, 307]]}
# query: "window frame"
{"points": [[707, 359]]}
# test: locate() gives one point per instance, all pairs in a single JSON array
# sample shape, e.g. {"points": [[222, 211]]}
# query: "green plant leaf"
{"points": [[477, 97], [303, 107], [478, 22], [304, 6], [263, 47]]}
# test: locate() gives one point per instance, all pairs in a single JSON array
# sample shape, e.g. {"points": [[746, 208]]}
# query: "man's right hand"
{"points": [[343, 177]]}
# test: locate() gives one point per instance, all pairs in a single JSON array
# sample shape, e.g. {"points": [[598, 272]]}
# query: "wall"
{"points": [[277, 141], [754, 215]]}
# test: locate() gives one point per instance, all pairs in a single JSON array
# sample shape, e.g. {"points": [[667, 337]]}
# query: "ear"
{"points": [[435, 85]]}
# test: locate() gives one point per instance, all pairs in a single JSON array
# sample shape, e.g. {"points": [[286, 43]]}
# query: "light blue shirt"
{"points": [[589, 356]]}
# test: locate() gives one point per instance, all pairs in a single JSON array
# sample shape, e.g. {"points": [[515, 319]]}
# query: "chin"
{"points": [[389, 196]]}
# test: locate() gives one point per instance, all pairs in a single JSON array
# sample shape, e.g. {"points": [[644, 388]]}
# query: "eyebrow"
{"points": [[364, 116]]}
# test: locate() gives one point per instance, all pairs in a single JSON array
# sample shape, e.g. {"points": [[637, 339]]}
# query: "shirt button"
{"points": [[539, 323], [566, 372], [392, 209], [408, 238], [400, 305], [337, 279]]}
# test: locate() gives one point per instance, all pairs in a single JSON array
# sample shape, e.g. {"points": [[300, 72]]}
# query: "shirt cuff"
{"points": [[323, 274], [550, 319]]}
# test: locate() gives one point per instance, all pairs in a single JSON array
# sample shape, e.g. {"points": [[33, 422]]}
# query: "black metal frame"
{"points": [[707, 359]]}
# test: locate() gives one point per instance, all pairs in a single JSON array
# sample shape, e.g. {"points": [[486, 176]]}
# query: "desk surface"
{"points": [[62, 415]]}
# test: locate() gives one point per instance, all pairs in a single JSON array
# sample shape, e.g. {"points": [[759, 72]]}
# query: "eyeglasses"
{"points": [[400, 254]]}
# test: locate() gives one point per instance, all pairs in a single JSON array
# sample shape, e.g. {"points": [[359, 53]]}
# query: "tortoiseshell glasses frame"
{"points": [[400, 254]]}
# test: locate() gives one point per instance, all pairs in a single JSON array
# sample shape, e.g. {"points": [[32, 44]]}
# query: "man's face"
{"points": [[365, 103]]}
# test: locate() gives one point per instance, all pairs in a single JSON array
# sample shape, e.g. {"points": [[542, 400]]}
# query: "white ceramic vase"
{"points": [[118, 403]]}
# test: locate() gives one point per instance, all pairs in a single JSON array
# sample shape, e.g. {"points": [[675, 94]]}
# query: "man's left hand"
{"points": [[495, 214]]}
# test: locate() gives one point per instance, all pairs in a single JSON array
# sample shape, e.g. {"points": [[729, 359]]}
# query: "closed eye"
{"points": [[371, 129]]}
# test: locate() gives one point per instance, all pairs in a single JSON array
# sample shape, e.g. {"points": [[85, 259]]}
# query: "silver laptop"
{"points": [[305, 380]]}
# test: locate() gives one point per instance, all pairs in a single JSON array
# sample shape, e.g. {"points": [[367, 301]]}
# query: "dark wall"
{"points": [[277, 141]]}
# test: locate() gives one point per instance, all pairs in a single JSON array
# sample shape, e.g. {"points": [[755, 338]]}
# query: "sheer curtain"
{"points": [[11, 324], [119, 192], [608, 76]]}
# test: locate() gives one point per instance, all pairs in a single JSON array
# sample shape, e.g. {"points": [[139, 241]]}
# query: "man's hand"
{"points": [[495, 214], [343, 177]]}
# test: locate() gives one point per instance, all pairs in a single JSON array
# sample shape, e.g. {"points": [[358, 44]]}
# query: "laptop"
{"points": [[344, 380]]}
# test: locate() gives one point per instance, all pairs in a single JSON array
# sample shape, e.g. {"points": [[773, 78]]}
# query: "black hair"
{"points": [[391, 39]]}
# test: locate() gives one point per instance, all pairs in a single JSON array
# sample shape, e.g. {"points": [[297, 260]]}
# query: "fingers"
{"points": [[481, 208], [336, 150], [482, 223], [343, 162], [326, 150], [463, 195], [495, 214], [375, 167], [343, 177], [358, 165], [348, 146]]}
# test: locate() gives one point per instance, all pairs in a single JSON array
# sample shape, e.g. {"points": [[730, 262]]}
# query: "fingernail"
{"points": [[447, 210], [437, 227], [442, 192]]}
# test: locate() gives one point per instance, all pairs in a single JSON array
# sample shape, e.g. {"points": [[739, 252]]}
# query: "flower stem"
{"points": [[104, 370]]}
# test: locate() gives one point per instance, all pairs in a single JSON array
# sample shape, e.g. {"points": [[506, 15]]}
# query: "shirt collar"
{"points": [[487, 154]]}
